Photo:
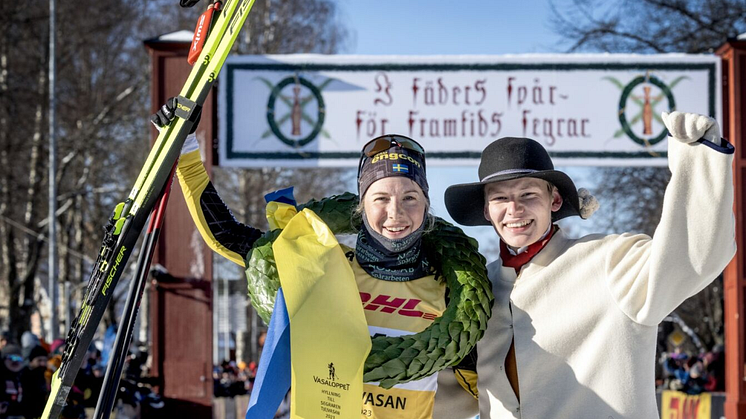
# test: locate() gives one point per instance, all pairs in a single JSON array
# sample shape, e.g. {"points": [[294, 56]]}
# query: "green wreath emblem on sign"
{"points": [[394, 360], [296, 113], [626, 95]]}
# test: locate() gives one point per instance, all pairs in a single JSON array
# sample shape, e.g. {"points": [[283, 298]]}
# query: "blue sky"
{"points": [[438, 27]]}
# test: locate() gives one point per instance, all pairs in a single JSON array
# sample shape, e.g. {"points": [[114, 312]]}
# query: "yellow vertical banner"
{"points": [[329, 338], [678, 405]]}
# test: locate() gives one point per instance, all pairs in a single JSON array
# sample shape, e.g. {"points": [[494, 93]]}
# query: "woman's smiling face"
{"points": [[394, 206]]}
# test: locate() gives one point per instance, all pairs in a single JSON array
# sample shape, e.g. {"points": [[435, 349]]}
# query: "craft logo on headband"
{"points": [[385, 155]]}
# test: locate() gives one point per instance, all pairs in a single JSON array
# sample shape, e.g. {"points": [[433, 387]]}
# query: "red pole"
{"points": [[733, 54]]}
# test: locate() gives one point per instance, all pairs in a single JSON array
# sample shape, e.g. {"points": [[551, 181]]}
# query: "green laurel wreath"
{"points": [[394, 360]]}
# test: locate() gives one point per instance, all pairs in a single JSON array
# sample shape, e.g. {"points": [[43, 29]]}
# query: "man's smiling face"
{"points": [[520, 209]]}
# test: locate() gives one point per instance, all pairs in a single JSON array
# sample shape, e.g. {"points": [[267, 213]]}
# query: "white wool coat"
{"points": [[584, 312]]}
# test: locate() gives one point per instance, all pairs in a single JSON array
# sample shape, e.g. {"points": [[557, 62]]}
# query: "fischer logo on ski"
{"points": [[113, 271], [241, 10], [185, 107]]}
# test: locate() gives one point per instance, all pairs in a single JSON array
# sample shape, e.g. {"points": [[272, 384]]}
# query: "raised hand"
{"points": [[691, 127]]}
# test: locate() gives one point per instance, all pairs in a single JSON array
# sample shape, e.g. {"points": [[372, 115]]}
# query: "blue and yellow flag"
{"points": [[272, 380], [329, 338]]}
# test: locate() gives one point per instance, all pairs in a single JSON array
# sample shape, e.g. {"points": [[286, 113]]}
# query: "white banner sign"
{"points": [[311, 110]]}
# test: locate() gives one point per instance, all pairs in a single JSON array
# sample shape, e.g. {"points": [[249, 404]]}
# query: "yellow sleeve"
{"points": [[468, 380], [215, 222]]}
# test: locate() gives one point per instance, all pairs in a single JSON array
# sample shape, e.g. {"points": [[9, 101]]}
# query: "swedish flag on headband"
{"points": [[401, 168]]}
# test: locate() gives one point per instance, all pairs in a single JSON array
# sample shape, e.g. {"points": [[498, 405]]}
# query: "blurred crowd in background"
{"points": [[27, 369], [692, 374], [28, 365]]}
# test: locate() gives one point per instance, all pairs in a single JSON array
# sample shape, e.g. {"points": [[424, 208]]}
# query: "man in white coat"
{"points": [[573, 329]]}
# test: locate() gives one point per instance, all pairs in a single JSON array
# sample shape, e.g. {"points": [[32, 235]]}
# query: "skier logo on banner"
{"points": [[638, 114], [332, 373], [295, 110]]}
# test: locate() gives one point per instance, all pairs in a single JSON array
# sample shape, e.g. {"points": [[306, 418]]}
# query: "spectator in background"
{"points": [[244, 376], [262, 338], [224, 381], [89, 378], [231, 379], [251, 371], [230, 384], [57, 347], [693, 374], [252, 368], [54, 358], [4, 338], [34, 383], [28, 342], [714, 362], [53, 363], [673, 366], [216, 388], [11, 391]]}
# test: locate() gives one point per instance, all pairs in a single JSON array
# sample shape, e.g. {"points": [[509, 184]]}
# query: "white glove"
{"points": [[691, 127], [190, 144]]}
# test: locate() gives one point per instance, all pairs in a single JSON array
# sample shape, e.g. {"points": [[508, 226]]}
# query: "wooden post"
{"points": [[733, 54], [181, 302]]}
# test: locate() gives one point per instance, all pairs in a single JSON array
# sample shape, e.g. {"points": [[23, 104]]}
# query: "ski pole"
{"points": [[119, 352]]}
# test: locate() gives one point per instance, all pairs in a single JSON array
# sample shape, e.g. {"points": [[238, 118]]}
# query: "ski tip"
{"points": [[57, 397]]}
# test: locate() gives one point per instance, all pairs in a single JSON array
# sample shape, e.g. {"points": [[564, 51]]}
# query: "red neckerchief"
{"points": [[517, 261]]}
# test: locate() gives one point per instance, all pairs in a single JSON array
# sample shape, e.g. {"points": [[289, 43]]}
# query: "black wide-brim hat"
{"points": [[506, 159]]}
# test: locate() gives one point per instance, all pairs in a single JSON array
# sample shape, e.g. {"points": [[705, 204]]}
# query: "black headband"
{"points": [[396, 161]]}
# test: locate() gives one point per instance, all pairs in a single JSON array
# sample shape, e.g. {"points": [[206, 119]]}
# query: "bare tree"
{"points": [[648, 26], [22, 88], [102, 87], [632, 198]]}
